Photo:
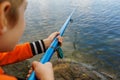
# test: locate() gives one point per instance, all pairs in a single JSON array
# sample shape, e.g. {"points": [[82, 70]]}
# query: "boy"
{"points": [[11, 29]]}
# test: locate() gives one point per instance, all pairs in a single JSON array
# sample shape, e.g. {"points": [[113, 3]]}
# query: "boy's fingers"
{"points": [[30, 71], [53, 35], [35, 64], [48, 64], [28, 75], [60, 39]]}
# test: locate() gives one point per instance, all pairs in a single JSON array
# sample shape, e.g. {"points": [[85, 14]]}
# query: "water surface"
{"points": [[92, 38]]}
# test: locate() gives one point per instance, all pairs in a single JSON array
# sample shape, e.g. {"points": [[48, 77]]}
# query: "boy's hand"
{"points": [[42, 71], [50, 38]]}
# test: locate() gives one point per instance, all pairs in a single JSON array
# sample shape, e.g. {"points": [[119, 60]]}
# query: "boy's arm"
{"points": [[22, 52]]}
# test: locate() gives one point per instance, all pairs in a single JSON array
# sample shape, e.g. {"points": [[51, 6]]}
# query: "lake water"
{"points": [[92, 38]]}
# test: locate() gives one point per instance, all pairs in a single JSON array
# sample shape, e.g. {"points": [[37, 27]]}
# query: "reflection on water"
{"points": [[94, 34]]}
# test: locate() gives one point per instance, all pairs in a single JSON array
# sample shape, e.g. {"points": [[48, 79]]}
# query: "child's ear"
{"points": [[4, 8]]}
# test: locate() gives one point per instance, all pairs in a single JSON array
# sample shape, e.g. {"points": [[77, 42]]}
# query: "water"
{"points": [[93, 37]]}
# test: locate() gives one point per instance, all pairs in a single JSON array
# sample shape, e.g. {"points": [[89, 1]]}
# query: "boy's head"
{"points": [[11, 22]]}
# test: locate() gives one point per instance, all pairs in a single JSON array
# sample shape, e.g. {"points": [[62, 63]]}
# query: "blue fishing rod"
{"points": [[50, 51]]}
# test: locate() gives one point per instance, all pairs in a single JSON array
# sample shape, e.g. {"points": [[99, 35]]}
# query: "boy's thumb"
{"points": [[35, 64]]}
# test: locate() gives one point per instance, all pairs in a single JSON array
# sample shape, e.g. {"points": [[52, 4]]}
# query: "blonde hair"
{"points": [[12, 14]]}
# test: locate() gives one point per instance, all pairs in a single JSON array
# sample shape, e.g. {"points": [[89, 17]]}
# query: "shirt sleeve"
{"points": [[37, 47], [22, 52]]}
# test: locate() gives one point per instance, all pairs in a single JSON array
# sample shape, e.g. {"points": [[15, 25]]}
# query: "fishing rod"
{"points": [[50, 51]]}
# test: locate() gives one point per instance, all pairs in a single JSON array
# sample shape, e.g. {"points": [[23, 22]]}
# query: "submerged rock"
{"points": [[66, 70]]}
